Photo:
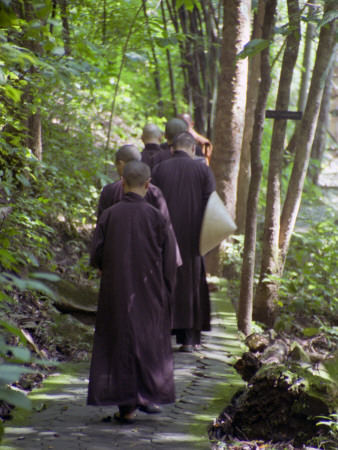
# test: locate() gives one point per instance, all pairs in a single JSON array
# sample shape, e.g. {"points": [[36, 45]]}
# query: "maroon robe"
{"points": [[160, 157], [149, 151], [112, 193], [132, 360], [186, 185]]}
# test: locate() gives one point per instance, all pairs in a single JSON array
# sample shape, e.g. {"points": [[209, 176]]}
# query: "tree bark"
{"points": [[65, 26], [251, 100], [157, 78], [244, 312], [170, 67], [307, 129], [265, 302], [323, 124], [305, 77], [230, 109]]}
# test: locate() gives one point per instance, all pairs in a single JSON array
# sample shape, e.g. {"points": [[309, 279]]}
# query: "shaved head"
{"points": [[187, 118], [136, 174], [173, 127], [184, 141], [127, 153], [151, 134]]}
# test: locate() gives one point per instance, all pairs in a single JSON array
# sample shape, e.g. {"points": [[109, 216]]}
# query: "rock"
{"points": [[247, 366], [257, 342], [75, 298], [71, 334], [282, 403], [298, 354]]}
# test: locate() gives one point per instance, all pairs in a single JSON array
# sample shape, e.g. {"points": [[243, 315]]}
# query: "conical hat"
{"points": [[217, 224]]}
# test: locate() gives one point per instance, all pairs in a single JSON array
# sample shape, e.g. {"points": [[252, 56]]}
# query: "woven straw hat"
{"points": [[217, 224]]}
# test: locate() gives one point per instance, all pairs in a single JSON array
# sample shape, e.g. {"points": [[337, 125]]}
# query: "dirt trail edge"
{"points": [[205, 382]]}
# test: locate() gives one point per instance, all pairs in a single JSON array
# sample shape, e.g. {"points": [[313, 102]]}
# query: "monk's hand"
{"points": [[99, 272]]}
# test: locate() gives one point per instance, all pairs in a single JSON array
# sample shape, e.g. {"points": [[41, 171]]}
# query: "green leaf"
{"points": [[252, 48], [58, 51], [20, 354], [12, 93], [136, 57], [45, 276], [14, 330], [311, 331], [15, 398], [10, 373], [189, 4]]}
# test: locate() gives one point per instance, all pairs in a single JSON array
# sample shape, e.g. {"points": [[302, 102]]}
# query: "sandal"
{"points": [[150, 408], [123, 419]]}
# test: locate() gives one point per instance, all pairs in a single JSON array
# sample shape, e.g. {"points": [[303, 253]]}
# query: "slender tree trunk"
{"points": [[307, 129], [323, 123], [251, 99], [265, 302], [231, 102], [230, 110], [65, 26], [244, 312], [156, 70], [32, 121], [305, 77], [170, 67], [104, 22]]}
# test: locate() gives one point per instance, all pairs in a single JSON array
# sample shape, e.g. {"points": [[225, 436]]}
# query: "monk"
{"points": [[151, 137], [113, 192], [132, 364], [186, 185], [203, 142], [172, 128]]}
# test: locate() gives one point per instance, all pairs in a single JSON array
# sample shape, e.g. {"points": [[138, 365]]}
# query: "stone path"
{"points": [[205, 381]]}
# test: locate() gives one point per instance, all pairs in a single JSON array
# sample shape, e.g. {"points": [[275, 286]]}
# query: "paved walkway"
{"points": [[205, 381]]}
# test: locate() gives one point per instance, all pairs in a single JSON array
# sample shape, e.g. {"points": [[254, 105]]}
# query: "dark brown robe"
{"points": [[113, 193], [148, 152], [132, 360], [186, 185]]}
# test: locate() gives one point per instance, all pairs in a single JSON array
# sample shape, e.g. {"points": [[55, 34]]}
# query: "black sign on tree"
{"points": [[294, 115]]}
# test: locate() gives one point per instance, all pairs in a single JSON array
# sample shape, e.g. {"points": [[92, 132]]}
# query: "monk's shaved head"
{"points": [[136, 173], [187, 118], [151, 133], [128, 153], [173, 127], [184, 141]]}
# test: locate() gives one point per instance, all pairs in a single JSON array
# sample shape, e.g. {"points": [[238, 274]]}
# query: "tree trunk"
{"points": [[231, 102], [246, 292], [251, 100], [230, 110], [323, 124], [305, 77], [157, 78], [307, 129], [265, 302], [170, 68], [31, 121], [65, 26]]}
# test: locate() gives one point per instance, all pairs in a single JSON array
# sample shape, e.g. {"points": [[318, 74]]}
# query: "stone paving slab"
{"points": [[203, 381]]}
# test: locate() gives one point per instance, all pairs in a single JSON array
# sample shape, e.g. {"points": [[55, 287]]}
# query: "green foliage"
{"points": [[252, 48], [310, 281]]}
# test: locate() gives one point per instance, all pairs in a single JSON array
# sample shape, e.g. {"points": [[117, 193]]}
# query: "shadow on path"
{"points": [[205, 381]]}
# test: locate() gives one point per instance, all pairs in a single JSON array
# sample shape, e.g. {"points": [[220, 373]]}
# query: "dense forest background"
{"points": [[78, 79]]}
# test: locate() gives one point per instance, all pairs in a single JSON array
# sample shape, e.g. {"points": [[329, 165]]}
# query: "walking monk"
{"points": [[186, 185], [132, 364]]}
